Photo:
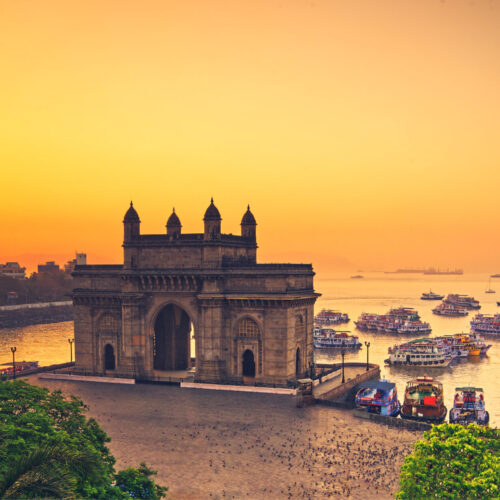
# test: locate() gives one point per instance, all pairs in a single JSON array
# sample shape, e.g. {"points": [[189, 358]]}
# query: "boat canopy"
{"points": [[385, 386], [478, 389]]}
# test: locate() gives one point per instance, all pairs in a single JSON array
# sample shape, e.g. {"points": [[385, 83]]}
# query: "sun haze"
{"points": [[362, 133]]}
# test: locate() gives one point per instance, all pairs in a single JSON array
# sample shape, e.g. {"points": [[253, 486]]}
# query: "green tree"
{"points": [[48, 448], [137, 483], [455, 462]]}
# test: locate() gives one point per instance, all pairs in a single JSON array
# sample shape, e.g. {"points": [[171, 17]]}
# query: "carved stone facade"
{"points": [[249, 321]]}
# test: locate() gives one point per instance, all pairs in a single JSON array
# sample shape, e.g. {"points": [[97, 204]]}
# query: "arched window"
{"points": [[109, 357], [300, 327], [297, 363], [248, 328]]}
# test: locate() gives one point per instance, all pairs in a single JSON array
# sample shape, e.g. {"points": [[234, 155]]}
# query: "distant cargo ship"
{"points": [[437, 271], [406, 271], [430, 270]]}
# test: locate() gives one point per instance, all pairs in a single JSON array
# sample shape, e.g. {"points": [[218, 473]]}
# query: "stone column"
{"points": [[212, 363], [133, 341]]}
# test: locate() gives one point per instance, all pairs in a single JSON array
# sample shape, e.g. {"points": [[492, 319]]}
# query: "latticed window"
{"points": [[300, 327], [108, 323], [248, 328]]}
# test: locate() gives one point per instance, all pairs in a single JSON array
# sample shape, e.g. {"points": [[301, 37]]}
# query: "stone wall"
{"points": [[35, 314]]}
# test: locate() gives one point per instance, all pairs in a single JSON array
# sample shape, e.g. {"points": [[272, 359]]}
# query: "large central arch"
{"points": [[171, 342]]}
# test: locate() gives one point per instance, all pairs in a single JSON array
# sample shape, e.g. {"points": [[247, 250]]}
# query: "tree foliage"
{"points": [[453, 462], [48, 448]]}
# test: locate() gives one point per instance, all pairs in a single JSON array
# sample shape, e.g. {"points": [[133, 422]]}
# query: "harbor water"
{"points": [[377, 293]]}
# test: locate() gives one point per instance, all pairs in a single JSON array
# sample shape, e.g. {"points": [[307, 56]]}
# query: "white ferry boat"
{"points": [[330, 317], [327, 337], [486, 324], [451, 310], [457, 299], [419, 352]]}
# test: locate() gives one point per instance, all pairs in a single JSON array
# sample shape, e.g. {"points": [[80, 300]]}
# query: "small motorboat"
{"points": [[380, 397], [468, 407], [431, 296]]}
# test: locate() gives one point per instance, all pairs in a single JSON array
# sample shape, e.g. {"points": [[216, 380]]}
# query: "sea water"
{"points": [[375, 293]]}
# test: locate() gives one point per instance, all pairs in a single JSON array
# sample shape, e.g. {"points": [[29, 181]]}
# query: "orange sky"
{"points": [[361, 132]]}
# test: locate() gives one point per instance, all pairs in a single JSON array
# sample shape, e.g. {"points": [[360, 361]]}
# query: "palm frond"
{"points": [[47, 472]]}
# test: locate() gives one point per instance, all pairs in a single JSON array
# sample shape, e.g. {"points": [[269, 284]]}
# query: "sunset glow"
{"points": [[364, 134]]}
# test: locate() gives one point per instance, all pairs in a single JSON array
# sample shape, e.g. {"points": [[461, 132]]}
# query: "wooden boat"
{"points": [[424, 400], [380, 397], [468, 407], [21, 366]]}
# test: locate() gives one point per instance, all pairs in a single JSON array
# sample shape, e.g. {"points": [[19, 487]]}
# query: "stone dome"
{"points": [[173, 220], [212, 213], [248, 218], [131, 215]]}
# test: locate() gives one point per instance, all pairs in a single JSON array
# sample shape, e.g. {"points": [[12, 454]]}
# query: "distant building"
{"points": [[251, 322], [13, 270], [79, 260], [49, 267]]}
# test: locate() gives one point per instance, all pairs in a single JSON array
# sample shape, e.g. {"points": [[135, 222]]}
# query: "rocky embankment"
{"points": [[35, 314]]}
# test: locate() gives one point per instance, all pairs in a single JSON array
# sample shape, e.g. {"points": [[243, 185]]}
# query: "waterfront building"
{"points": [[13, 270], [49, 267], [251, 322]]}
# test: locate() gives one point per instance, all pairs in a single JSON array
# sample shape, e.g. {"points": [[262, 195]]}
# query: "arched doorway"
{"points": [[109, 357], [171, 343], [297, 363], [248, 364]]}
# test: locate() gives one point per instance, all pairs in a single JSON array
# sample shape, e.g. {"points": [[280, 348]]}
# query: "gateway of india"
{"points": [[249, 322]]}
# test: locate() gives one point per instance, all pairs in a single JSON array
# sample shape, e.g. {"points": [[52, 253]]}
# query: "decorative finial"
{"points": [[248, 207], [212, 199], [131, 204], [173, 210]]}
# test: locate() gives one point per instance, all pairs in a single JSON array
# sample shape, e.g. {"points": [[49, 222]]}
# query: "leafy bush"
{"points": [[454, 462], [48, 448]]}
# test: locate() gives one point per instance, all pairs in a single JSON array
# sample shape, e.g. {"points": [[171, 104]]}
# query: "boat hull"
{"points": [[422, 417], [405, 364]]}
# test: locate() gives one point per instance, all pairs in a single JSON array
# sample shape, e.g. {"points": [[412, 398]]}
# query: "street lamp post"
{"points": [[342, 351], [367, 344], [71, 349], [14, 349]]}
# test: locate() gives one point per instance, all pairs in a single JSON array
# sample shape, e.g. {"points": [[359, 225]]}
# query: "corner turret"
{"points": [[248, 226], [131, 224], [212, 222], [174, 225]]}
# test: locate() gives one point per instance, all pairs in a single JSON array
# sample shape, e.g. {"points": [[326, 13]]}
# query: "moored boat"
{"points": [[460, 300], [489, 289], [424, 400], [450, 310], [327, 337], [486, 324], [380, 397], [431, 296], [400, 320], [330, 317], [468, 407], [21, 366], [420, 352]]}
